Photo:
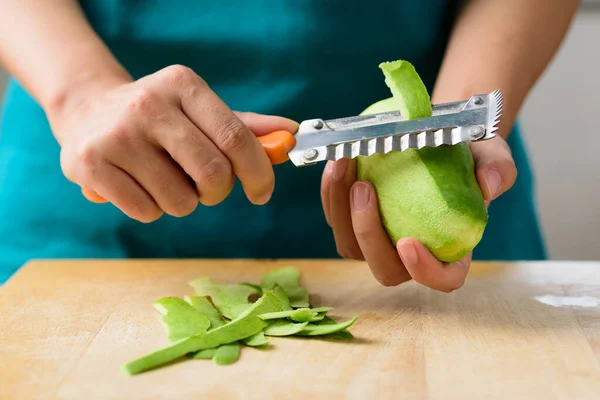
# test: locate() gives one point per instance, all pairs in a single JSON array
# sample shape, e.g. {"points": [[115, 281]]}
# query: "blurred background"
{"points": [[559, 120]]}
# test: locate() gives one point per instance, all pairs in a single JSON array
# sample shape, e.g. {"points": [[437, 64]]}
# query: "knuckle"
{"points": [[186, 136], [142, 101], [117, 138], [88, 155], [362, 230], [179, 75], [217, 172], [232, 135], [197, 86]]}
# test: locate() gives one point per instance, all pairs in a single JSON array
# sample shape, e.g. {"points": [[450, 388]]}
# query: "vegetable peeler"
{"points": [[475, 119], [316, 140]]}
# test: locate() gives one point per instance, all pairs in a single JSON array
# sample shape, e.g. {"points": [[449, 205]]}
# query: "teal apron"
{"points": [[300, 59]]}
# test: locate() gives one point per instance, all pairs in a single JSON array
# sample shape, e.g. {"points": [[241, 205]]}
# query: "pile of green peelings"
{"points": [[220, 319]]}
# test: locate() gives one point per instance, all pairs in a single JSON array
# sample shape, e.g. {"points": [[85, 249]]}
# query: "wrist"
{"points": [[63, 99]]}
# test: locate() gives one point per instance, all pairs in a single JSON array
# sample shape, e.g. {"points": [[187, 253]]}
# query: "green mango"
{"points": [[430, 194]]}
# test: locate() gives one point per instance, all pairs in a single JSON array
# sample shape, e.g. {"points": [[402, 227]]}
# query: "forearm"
{"points": [[502, 44], [52, 50]]}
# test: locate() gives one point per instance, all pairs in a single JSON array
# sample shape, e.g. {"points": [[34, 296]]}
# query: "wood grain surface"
{"points": [[66, 327]]}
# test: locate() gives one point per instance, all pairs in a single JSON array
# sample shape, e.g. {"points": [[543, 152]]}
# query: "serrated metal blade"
{"points": [[496, 103], [451, 123], [384, 145]]}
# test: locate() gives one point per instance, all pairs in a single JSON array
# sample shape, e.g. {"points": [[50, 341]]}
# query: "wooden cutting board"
{"points": [[67, 327]]}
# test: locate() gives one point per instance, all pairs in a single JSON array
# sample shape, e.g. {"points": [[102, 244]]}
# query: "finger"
{"points": [[159, 175], [198, 156], [212, 116], [343, 176], [424, 268], [118, 187], [249, 160], [325, 185], [495, 168], [374, 242], [261, 124]]}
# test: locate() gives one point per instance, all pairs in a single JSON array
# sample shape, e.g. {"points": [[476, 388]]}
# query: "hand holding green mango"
{"points": [[416, 214]]}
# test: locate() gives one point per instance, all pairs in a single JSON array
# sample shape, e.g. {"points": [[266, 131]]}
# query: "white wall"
{"points": [[561, 123]]}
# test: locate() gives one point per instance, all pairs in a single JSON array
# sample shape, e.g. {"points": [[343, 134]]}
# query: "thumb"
{"points": [[495, 168], [261, 124]]}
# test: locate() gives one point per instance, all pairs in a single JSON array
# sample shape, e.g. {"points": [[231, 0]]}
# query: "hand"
{"points": [[359, 233], [164, 143]]}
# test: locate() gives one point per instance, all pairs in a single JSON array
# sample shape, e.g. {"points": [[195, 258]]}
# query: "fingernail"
{"points": [[361, 194], [408, 254], [493, 181], [339, 169]]}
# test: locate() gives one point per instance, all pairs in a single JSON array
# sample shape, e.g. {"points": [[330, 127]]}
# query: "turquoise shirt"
{"points": [[300, 59]]}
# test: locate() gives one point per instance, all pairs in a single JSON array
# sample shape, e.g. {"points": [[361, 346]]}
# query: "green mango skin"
{"points": [[408, 91], [430, 194]]}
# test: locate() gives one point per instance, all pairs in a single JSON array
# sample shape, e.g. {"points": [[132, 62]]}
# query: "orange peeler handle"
{"points": [[277, 145]]}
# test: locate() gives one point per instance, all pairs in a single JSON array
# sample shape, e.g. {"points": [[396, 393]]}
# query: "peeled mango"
{"points": [[429, 194]]}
